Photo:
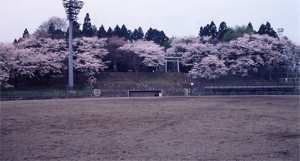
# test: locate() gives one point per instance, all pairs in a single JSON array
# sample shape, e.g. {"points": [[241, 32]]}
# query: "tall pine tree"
{"points": [[267, 29], [205, 31], [117, 31], [249, 28], [138, 34], [109, 32], [25, 33], [129, 35], [156, 36], [209, 30], [262, 29], [101, 33], [87, 28], [76, 30], [222, 30], [123, 32], [213, 30]]}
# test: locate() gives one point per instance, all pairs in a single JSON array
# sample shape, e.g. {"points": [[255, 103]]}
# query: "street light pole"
{"points": [[72, 8]]}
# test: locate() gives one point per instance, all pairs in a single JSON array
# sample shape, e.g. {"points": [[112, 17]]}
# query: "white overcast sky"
{"points": [[175, 17]]}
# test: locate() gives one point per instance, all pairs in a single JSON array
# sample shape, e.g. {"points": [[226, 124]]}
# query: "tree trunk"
{"points": [[115, 69], [270, 73], [77, 78], [47, 80], [16, 81]]}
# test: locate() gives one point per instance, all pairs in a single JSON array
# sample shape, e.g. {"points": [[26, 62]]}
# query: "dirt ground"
{"points": [[167, 128]]}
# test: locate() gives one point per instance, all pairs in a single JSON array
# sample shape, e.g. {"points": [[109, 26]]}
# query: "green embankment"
{"points": [[140, 80], [141, 77]]}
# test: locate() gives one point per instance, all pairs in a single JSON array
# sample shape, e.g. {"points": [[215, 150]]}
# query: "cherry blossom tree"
{"points": [[88, 55], [47, 55], [193, 50], [50, 56], [143, 54], [248, 53], [292, 51], [251, 52], [47, 58], [6, 51], [4, 76], [115, 56], [16, 63], [210, 67]]}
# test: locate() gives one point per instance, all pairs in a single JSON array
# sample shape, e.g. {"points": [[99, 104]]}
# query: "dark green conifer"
{"points": [[87, 28], [101, 32]]}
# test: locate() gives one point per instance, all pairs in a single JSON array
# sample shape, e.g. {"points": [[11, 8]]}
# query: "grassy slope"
{"points": [[141, 80], [141, 77]]}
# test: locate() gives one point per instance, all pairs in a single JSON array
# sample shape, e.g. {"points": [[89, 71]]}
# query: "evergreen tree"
{"points": [[149, 34], [209, 30], [249, 28], [141, 33], [109, 32], [138, 34], [87, 28], [25, 33], [76, 30], [201, 31], [267, 29], [123, 32], [270, 30], [204, 31], [15, 41], [222, 30], [101, 33], [213, 30], [117, 31], [94, 28], [156, 36], [129, 35], [262, 29], [234, 33]]}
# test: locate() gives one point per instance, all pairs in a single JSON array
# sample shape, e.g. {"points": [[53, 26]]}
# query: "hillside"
{"points": [[141, 80]]}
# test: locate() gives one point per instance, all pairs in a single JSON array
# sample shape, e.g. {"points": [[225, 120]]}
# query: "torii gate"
{"points": [[172, 59]]}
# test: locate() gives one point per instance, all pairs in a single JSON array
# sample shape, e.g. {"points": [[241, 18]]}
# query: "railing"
{"points": [[211, 90], [88, 93], [252, 90], [289, 79], [15, 95]]}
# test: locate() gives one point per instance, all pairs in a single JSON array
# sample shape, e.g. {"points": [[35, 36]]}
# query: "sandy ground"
{"points": [[168, 128]]}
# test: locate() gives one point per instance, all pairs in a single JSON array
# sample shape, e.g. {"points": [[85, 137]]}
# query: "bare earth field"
{"points": [[167, 128]]}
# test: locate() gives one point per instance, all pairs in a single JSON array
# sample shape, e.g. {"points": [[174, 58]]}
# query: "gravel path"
{"points": [[167, 128]]}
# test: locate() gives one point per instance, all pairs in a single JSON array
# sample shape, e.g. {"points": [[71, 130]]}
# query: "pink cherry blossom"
{"points": [[146, 53]]}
